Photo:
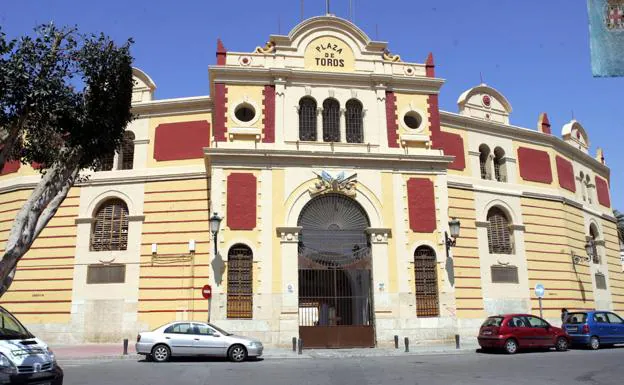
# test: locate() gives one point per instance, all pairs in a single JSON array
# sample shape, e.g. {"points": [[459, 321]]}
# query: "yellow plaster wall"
{"points": [[237, 94], [170, 283], [388, 210], [467, 168], [552, 230], [616, 276], [468, 285], [406, 102], [279, 202], [155, 121], [42, 289], [24, 170], [553, 165]]}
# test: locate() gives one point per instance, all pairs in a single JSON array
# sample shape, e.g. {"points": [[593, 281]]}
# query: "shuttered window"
{"points": [[331, 121], [601, 281], [499, 234], [504, 274], [354, 124], [127, 151], [106, 274], [307, 119], [110, 230], [426, 278], [240, 281]]}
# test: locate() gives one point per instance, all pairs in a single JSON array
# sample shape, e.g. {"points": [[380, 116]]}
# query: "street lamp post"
{"points": [[215, 223]]}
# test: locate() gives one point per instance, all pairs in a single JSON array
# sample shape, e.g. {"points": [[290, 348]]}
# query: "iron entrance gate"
{"points": [[335, 281]]}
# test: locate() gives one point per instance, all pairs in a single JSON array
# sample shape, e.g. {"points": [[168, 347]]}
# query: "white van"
{"points": [[24, 358]]}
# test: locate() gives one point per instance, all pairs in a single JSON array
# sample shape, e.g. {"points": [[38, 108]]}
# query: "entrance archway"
{"points": [[335, 280]]}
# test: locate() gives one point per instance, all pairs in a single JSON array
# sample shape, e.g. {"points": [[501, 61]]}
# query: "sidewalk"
{"points": [[115, 351]]}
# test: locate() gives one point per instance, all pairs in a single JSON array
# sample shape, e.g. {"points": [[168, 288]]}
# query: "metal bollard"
{"points": [[396, 342], [125, 347], [456, 341], [406, 344], [294, 341], [300, 346]]}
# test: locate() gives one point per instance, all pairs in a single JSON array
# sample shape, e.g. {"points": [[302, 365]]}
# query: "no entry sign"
{"points": [[207, 291]]}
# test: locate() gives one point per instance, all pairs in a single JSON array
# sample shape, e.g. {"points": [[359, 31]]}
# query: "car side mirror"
{"points": [[547, 327]]}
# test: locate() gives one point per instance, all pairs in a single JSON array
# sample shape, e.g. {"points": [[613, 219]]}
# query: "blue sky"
{"points": [[535, 52]]}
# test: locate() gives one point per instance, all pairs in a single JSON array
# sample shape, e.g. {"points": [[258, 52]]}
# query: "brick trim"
{"points": [[220, 112], [391, 120], [268, 109]]}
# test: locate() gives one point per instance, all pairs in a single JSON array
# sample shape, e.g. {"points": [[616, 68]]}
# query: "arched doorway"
{"points": [[335, 281]]}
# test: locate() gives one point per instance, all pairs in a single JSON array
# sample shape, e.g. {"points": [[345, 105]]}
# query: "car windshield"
{"points": [[493, 321], [11, 328], [576, 318], [220, 330]]}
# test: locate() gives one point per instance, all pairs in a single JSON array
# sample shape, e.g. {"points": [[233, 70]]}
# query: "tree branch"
{"points": [[55, 203]]}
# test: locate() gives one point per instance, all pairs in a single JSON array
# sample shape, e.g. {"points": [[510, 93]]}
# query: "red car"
{"points": [[519, 331]]}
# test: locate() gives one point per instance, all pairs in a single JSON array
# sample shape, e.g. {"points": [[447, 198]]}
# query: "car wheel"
{"points": [[237, 353], [511, 346], [161, 353], [562, 344], [594, 343]]}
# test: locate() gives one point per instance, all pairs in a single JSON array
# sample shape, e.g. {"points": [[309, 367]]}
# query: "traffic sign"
{"points": [[539, 290], [207, 291]]}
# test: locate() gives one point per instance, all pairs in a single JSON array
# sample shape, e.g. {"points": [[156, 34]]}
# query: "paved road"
{"points": [[535, 368]]}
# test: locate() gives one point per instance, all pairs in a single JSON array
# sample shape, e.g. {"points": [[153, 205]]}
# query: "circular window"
{"points": [[245, 112], [412, 119]]}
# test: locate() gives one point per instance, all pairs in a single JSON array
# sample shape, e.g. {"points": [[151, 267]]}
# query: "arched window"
{"points": [[331, 120], [106, 163], [110, 230], [588, 188], [583, 185], [126, 155], [484, 162], [239, 282], [426, 279], [307, 119], [499, 234], [500, 171], [593, 235], [354, 124]]}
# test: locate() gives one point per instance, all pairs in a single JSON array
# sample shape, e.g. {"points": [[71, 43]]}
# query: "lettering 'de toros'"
{"points": [[328, 58]]}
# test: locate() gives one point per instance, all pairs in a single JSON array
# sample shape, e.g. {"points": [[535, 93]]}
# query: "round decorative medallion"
{"points": [[487, 101], [409, 71], [245, 60]]}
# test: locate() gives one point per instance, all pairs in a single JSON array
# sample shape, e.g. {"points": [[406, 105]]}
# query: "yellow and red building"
{"points": [[337, 175]]}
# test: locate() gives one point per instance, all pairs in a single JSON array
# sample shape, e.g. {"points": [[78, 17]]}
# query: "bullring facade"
{"points": [[337, 176]]}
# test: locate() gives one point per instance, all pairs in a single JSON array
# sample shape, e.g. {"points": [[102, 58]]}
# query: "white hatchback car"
{"points": [[186, 338]]}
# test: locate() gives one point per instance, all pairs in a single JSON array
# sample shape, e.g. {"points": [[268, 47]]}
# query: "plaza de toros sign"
{"points": [[329, 54]]}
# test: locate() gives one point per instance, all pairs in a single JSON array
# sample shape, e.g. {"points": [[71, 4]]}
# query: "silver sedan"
{"points": [[195, 339]]}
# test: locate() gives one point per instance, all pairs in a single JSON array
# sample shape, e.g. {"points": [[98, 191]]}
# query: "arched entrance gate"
{"points": [[335, 282]]}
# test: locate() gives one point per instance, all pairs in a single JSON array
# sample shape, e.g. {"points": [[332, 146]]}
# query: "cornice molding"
{"points": [[516, 133], [165, 107]]}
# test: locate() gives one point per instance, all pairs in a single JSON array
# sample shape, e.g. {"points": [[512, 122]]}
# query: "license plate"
{"points": [[572, 328], [487, 333]]}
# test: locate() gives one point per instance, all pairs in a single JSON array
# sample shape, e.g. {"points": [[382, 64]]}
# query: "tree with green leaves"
{"points": [[65, 101], [620, 224]]}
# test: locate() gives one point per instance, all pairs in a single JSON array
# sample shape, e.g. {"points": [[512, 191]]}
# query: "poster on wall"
{"points": [[606, 37]]}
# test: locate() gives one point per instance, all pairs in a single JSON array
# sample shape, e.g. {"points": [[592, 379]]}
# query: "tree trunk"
{"points": [[32, 218]]}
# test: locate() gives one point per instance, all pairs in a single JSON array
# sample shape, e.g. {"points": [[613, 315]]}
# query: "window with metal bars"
{"points": [[500, 173], [426, 278], [484, 155], [354, 122], [106, 274], [601, 281], [110, 230], [240, 281], [504, 274], [127, 151], [498, 231], [307, 119], [331, 120]]}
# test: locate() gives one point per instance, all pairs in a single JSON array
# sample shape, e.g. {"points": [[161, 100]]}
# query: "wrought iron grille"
{"points": [[106, 274], [307, 119], [426, 278], [497, 169], [110, 230], [331, 121], [240, 281], [106, 163], [504, 274], [499, 236], [601, 281], [127, 151], [483, 165], [592, 235], [354, 122]]}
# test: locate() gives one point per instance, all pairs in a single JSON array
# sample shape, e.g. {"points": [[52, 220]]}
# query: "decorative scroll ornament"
{"points": [[390, 57], [268, 48], [340, 183]]}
